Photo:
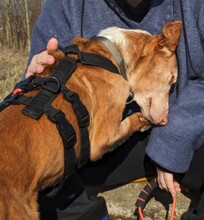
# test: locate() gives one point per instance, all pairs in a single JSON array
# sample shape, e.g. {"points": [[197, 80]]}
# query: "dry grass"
{"points": [[12, 65]]}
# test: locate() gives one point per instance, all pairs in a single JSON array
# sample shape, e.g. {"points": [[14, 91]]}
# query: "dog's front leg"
{"points": [[131, 124]]}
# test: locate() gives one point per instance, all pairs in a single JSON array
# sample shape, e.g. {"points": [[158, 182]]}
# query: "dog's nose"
{"points": [[164, 121]]}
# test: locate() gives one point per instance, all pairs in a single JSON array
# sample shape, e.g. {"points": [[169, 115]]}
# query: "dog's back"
{"points": [[32, 154]]}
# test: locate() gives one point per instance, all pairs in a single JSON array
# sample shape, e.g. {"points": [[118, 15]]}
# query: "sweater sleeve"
{"points": [[172, 146]]}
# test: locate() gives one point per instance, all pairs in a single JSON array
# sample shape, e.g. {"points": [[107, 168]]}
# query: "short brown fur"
{"points": [[31, 155]]}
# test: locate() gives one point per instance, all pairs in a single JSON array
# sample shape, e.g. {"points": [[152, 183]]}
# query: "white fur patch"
{"points": [[117, 35]]}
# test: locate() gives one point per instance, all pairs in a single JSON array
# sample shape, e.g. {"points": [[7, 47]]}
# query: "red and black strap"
{"points": [[144, 197], [145, 194]]}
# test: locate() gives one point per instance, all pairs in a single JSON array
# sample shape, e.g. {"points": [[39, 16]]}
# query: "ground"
{"points": [[120, 201]]}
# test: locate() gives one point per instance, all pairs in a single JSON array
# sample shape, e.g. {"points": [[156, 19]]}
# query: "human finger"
{"points": [[52, 44], [166, 181], [177, 186], [39, 61], [169, 181]]}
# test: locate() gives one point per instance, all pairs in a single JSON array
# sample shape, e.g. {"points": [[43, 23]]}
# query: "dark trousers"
{"points": [[124, 164], [71, 203], [194, 180], [195, 213]]}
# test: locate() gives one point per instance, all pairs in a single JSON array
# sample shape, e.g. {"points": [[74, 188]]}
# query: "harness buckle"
{"points": [[71, 49], [79, 108], [84, 120], [64, 127], [24, 83], [70, 141], [51, 84], [11, 98]]}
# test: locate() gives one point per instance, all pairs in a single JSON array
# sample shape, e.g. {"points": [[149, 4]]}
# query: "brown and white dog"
{"points": [[31, 151]]}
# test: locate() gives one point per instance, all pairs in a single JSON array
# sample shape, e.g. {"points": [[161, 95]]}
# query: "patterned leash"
{"points": [[144, 196]]}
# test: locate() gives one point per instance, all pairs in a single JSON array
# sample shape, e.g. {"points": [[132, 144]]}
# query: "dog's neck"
{"points": [[117, 56], [121, 39]]}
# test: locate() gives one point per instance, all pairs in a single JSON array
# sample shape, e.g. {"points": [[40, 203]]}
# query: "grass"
{"points": [[12, 65], [119, 217]]}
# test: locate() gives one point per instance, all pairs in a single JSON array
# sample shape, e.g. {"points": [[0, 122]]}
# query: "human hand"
{"points": [[39, 61], [166, 181]]}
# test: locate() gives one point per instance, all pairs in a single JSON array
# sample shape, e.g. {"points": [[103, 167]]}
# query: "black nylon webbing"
{"points": [[50, 87], [68, 136], [64, 69], [83, 122], [35, 107], [46, 94], [145, 193], [91, 59], [97, 60]]}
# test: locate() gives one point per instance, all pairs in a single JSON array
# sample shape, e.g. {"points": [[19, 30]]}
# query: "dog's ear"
{"points": [[170, 36]]}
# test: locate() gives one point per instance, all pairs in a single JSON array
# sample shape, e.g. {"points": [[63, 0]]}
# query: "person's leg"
{"points": [[194, 180], [194, 177], [196, 213], [126, 163], [71, 202]]}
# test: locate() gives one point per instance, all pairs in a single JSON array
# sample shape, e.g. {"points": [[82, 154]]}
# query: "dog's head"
{"points": [[151, 66]]}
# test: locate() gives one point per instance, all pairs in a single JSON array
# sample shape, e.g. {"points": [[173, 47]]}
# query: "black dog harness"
{"points": [[50, 87]]}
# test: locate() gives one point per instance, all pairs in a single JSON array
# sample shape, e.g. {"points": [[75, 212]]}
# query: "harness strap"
{"points": [[97, 60], [49, 91], [83, 123], [25, 100], [50, 87], [68, 136], [91, 59], [34, 108], [13, 98], [65, 69]]}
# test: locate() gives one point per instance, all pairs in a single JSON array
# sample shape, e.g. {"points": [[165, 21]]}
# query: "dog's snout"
{"points": [[164, 121]]}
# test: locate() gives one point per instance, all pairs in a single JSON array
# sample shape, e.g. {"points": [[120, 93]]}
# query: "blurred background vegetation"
{"points": [[17, 18]]}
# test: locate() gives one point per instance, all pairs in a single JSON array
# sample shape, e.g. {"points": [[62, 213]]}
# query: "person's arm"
{"points": [[167, 182], [172, 146]]}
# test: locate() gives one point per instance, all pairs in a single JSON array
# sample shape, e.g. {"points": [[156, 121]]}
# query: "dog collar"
{"points": [[111, 47]]}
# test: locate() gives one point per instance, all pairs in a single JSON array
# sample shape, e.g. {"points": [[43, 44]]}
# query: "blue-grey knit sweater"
{"points": [[173, 145]]}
